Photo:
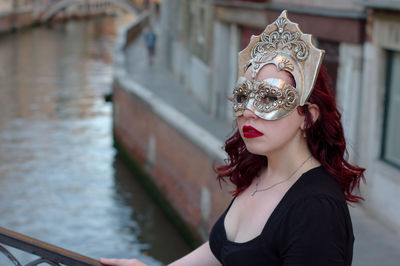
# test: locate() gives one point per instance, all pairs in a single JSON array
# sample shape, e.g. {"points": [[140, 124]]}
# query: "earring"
{"points": [[303, 129], [303, 132]]}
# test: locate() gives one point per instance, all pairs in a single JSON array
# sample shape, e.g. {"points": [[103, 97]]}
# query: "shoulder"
{"points": [[317, 183], [315, 194], [315, 206], [318, 208], [317, 199]]}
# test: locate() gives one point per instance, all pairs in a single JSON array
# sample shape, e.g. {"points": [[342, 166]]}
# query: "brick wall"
{"points": [[178, 167]]}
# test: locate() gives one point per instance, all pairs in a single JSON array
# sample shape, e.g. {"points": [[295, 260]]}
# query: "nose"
{"points": [[249, 114]]}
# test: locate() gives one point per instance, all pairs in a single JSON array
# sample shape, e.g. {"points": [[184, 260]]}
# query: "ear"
{"points": [[314, 111]]}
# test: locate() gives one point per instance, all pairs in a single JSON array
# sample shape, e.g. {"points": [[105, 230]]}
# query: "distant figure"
{"points": [[151, 38]]}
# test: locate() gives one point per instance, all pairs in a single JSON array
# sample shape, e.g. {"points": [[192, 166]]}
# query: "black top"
{"points": [[310, 226]]}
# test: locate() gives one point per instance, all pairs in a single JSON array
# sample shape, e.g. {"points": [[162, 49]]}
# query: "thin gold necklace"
{"points": [[280, 182]]}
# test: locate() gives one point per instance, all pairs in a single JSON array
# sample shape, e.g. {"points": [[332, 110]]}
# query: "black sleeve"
{"points": [[317, 232]]}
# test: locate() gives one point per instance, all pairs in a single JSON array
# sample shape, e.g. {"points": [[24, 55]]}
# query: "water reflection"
{"points": [[151, 222], [60, 178]]}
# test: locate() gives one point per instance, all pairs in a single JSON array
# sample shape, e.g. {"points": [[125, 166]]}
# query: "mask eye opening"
{"points": [[241, 97]]}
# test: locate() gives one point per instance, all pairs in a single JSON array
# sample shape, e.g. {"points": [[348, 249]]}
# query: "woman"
{"points": [[286, 160]]}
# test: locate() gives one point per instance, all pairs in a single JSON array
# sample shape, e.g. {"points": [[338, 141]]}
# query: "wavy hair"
{"points": [[325, 140]]}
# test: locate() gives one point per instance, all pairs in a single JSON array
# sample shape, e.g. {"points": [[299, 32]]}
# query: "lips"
{"points": [[251, 132]]}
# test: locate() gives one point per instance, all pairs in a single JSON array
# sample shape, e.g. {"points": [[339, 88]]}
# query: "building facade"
{"points": [[379, 143], [200, 41]]}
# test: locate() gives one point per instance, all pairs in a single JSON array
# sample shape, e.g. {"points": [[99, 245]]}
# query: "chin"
{"points": [[256, 149], [262, 148]]}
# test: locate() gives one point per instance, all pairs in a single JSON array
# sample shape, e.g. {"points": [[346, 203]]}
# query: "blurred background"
{"points": [[113, 113]]}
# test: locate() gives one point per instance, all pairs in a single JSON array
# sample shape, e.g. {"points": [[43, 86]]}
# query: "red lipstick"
{"points": [[251, 132]]}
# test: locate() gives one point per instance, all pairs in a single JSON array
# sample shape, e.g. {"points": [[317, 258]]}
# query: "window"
{"points": [[391, 129]]}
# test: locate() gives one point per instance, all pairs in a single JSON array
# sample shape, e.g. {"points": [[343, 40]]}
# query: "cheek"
{"points": [[240, 123], [285, 130]]}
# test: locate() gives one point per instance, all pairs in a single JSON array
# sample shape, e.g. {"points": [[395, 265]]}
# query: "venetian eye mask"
{"points": [[269, 99], [284, 45]]}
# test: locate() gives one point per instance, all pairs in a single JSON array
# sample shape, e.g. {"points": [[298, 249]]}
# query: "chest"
{"points": [[248, 214]]}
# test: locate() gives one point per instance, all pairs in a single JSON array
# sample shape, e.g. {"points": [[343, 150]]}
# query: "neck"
{"points": [[282, 163]]}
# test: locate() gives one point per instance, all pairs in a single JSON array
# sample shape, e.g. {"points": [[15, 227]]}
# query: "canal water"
{"points": [[61, 180]]}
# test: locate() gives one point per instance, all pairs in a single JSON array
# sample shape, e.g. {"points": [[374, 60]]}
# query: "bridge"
{"points": [[46, 11]]}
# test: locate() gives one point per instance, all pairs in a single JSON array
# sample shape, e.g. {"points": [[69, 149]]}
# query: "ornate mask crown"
{"points": [[283, 44]]}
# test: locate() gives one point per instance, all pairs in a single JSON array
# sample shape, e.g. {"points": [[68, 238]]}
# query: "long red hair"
{"points": [[325, 140]]}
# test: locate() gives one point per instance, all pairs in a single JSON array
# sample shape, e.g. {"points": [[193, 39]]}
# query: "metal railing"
{"points": [[47, 253]]}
